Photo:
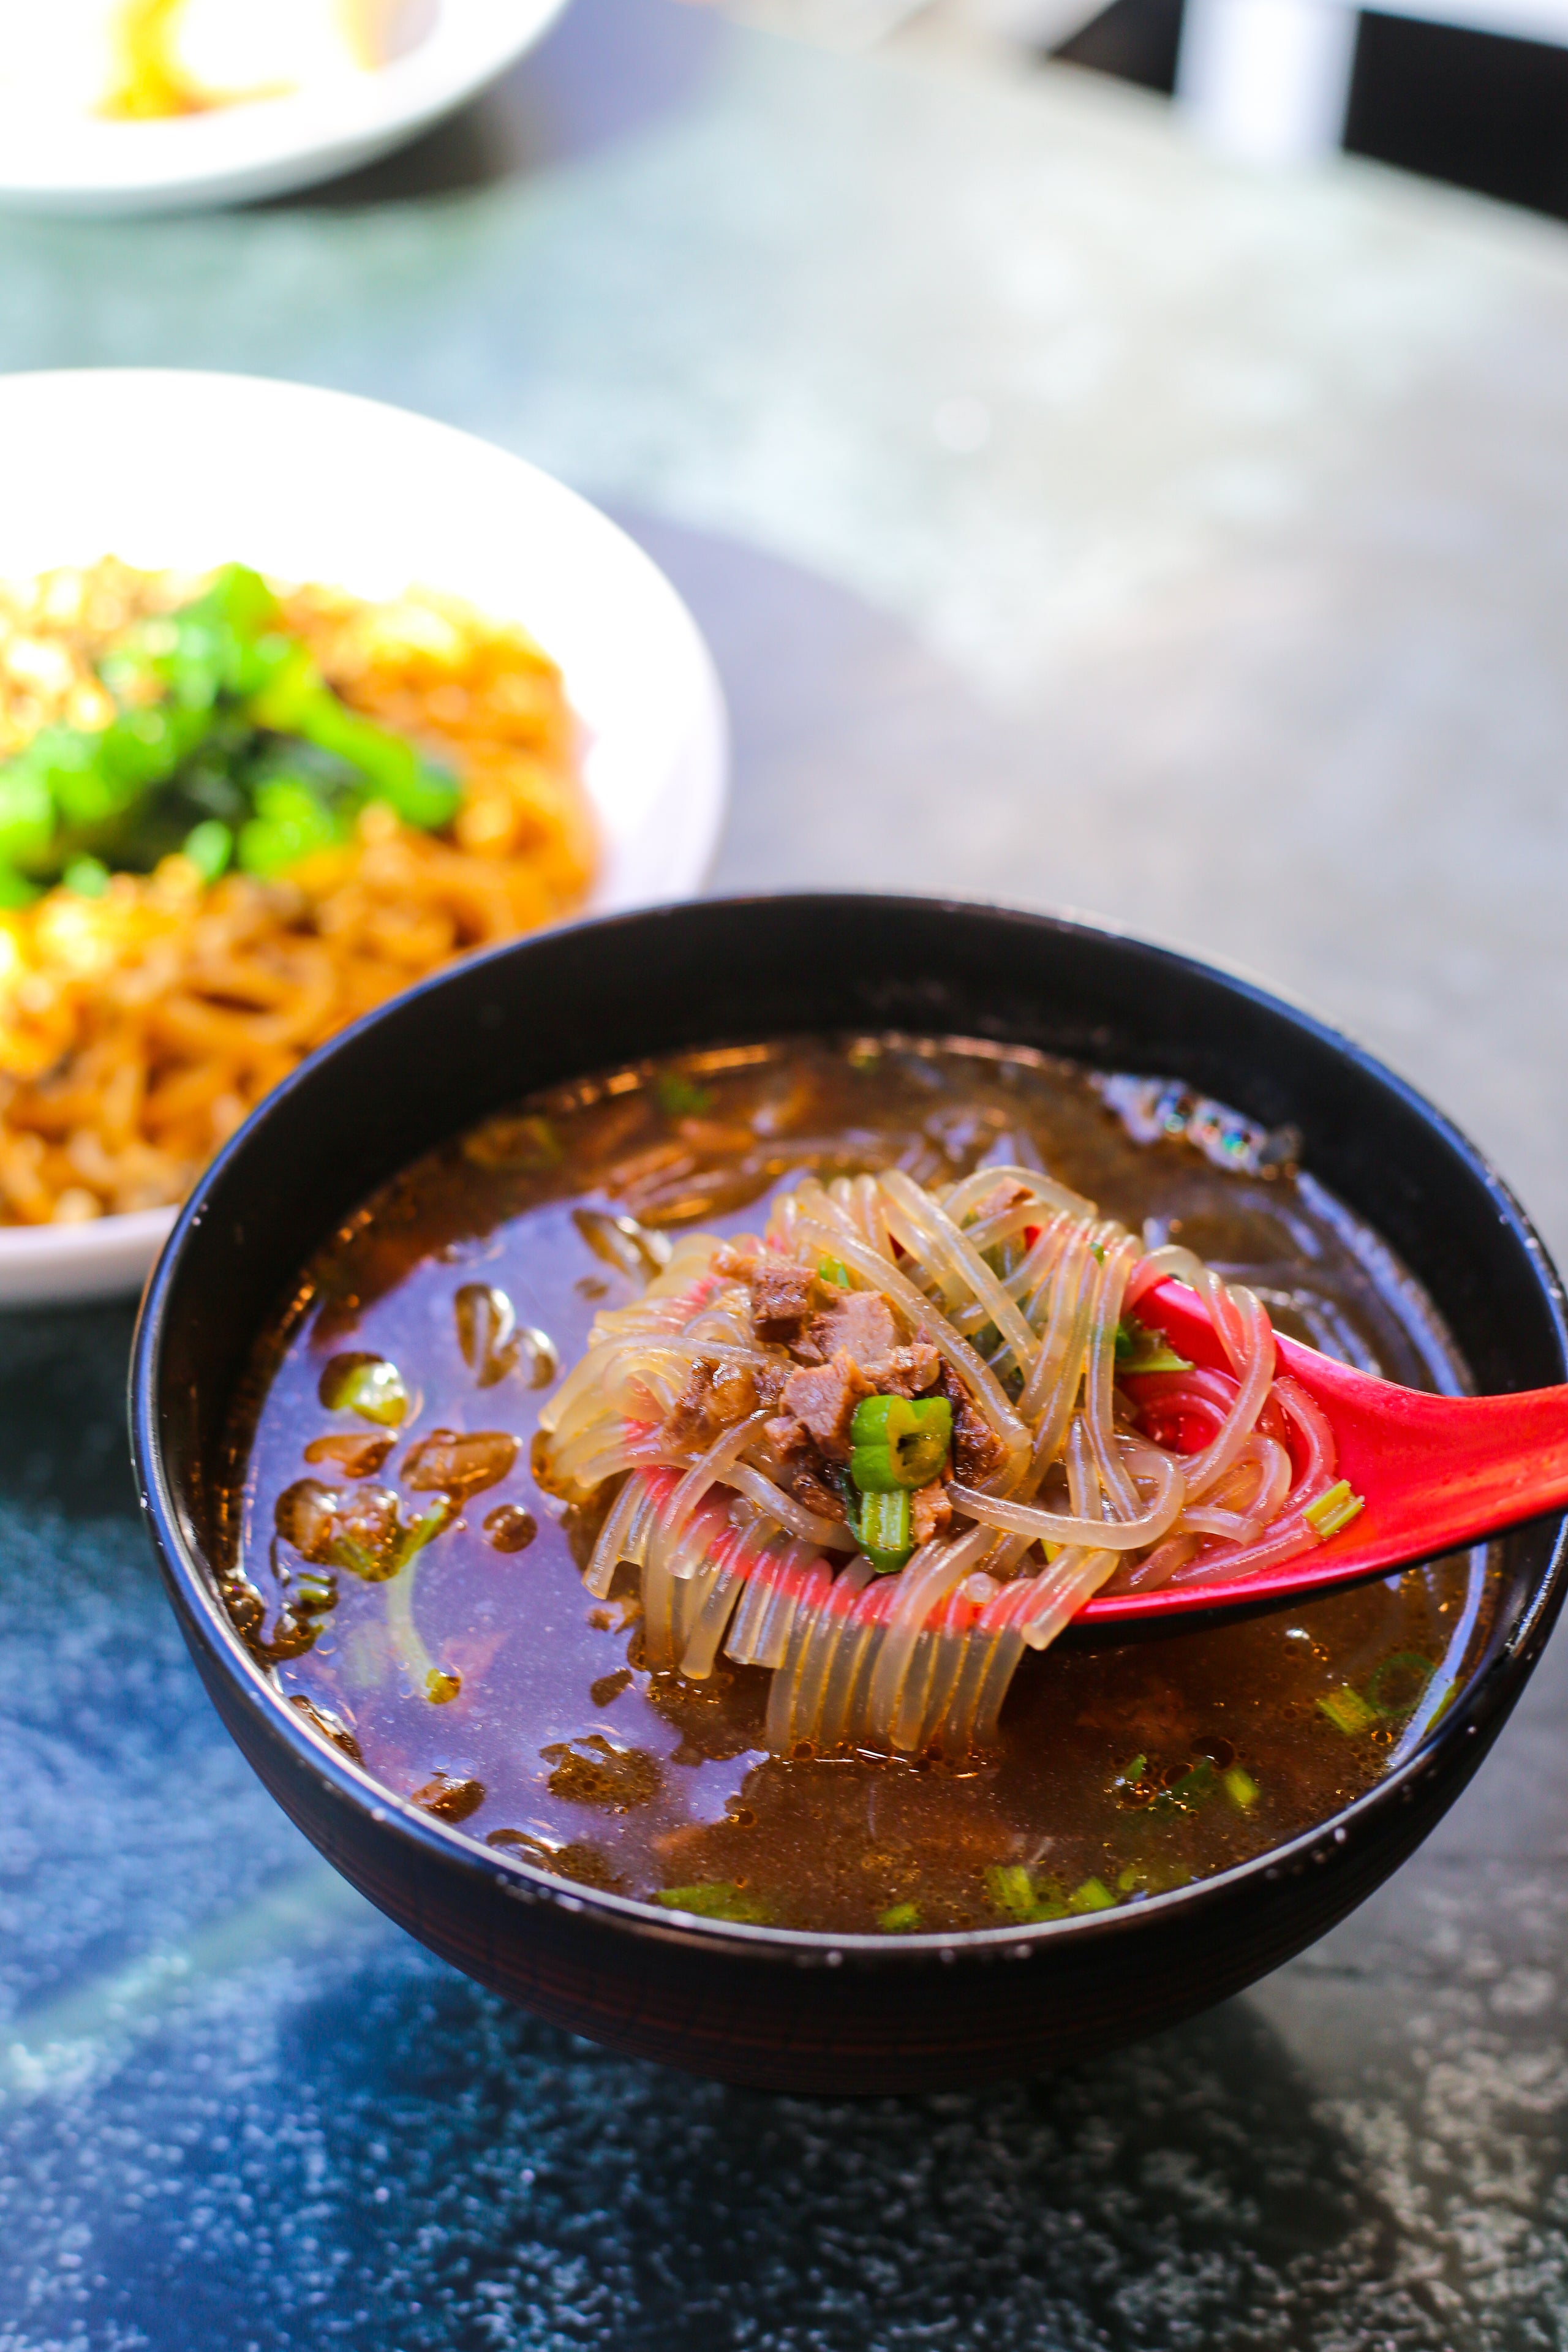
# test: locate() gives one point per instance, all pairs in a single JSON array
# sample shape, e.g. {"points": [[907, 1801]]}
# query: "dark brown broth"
{"points": [[1124, 1768]]}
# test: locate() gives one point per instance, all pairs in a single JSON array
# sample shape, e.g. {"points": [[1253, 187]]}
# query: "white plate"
{"points": [[163, 468], [55, 160]]}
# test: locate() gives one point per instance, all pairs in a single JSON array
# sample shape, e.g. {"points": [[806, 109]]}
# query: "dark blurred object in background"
{"points": [[1136, 40], [1483, 112]]}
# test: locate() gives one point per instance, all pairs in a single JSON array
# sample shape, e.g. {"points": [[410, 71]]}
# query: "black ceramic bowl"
{"points": [[764, 2005]]}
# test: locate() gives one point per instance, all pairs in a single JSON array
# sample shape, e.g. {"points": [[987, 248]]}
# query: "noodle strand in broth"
{"points": [[998, 1314]]}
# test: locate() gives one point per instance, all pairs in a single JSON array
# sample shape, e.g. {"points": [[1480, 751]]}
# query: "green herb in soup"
{"points": [[784, 1417]]}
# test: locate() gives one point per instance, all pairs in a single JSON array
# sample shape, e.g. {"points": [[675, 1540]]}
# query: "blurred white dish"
{"points": [[57, 156], [186, 470]]}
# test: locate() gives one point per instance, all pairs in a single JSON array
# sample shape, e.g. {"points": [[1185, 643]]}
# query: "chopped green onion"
{"points": [[1092, 1895], [884, 1532], [1196, 1786], [1408, 1668], [1348, 1711], [899, 1919], [715, 1898], [1241, 1788], [296, 700], [1011, 1888], [1140, 1349], [429, 1524], [436, 1684], [1444, 1704], [209, 847], [899, 1441], [291, 822], [834, 1270], [680, 1098], [1153, 1878], [88, 876], [367, 1385], [1334, 1510], [26, 804]]}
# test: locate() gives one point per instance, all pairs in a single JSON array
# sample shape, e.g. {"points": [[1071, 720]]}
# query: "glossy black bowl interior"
{"points": [[765, 2005]]}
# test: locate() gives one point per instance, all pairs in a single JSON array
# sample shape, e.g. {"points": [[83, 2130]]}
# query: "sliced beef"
{"points": [[824, 1397], [781, 1302], [977, 1451], [802, 1469], [930, 1513], [860, 1326], [907, 1372], [716, 1396]]}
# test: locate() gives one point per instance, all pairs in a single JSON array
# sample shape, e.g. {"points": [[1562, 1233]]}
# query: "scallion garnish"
{"points": [[899, 1441], [1334, 1510]]}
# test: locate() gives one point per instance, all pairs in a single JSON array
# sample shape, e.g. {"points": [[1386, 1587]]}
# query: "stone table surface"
{"points": [[1078, 521]]}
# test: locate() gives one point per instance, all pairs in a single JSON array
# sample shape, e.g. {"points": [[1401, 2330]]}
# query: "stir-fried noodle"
{"points": [[746, 1416], [142, 1018]]}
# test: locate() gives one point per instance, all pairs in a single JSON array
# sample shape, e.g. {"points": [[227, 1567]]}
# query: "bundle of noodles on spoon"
{"points": [[907, 1434]]}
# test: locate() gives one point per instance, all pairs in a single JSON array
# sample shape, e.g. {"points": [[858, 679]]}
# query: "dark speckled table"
{"points": [[1078, 521]]}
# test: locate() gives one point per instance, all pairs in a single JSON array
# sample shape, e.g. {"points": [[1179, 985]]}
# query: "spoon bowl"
{"points": [[1431, 1473]]}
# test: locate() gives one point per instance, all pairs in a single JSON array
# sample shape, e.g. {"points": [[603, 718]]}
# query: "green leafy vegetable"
{"points": [[899, 1919]]}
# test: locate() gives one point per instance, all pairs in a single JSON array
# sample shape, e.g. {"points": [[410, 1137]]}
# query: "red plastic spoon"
{"points": [[1435, 1472]]}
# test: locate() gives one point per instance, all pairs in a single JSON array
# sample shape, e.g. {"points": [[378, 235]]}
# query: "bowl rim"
{"points": [[1492, 1686], [109, 1255]]}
